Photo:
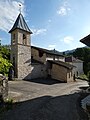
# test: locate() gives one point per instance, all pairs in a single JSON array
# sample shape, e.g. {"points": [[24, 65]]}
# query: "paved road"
{"points": [[44, 100]]}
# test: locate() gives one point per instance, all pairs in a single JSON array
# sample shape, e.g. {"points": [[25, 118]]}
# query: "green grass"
{"points": [[83, 77]]}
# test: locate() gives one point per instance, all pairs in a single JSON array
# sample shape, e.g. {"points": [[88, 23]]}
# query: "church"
{"points": [[31, 62]]}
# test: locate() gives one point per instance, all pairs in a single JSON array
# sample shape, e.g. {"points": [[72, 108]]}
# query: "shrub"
{"points": [[83, 77], [4, 65]]}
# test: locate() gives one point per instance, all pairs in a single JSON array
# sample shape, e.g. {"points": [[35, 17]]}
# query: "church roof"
{"points": [[86, 40], [63, 64], [20, 24], [51, 52]]}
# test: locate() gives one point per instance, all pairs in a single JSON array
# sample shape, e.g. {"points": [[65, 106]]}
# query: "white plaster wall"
{"points": [[49, 58], [79, 67]]}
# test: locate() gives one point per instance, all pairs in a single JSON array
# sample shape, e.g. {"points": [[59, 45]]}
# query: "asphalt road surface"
{"points": [[44, 100]]}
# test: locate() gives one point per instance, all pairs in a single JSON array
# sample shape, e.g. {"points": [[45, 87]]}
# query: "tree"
{"points": [[5, 52], [79, 53], [84, 55], [4, 65]]}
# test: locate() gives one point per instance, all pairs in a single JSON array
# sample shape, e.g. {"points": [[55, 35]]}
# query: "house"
{"points": [[86, 40], [55, 64], [78, 69], [32, 62], [60, 70]]}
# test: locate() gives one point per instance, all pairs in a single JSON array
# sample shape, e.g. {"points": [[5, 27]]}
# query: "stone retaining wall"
{"points": [[3, 87]]}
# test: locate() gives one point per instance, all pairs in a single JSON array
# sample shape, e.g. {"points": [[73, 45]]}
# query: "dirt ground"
{"points": [[45, 100]]}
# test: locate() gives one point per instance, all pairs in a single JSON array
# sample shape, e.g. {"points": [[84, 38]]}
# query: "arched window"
{"points": [[13, 39], [24, 39]]}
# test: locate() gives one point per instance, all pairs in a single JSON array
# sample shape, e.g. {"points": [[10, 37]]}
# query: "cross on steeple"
{"points": [[20, 7]]}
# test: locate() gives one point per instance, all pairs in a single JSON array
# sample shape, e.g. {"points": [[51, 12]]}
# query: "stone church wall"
{"points": [[59, 73], [38, 71], [24, 62], [35, 54]]}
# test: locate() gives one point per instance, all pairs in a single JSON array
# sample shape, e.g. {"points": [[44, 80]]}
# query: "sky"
{"points": [[56, 24]]}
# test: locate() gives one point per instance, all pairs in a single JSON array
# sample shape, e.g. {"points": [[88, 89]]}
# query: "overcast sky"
{"points": [[58, 24]]}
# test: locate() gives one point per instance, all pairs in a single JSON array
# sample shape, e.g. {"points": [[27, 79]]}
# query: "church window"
{"points": [[24, 39], [40, 53], [13, 40]]}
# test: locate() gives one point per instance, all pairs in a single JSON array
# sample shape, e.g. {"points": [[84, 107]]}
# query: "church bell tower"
{"points": [[21, 48]]}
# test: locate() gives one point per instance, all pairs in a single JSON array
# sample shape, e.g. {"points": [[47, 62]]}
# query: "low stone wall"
{"points": [[3, 87]]}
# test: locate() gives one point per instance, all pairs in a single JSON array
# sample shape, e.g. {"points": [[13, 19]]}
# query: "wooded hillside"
{"points": [[84, 55]]}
